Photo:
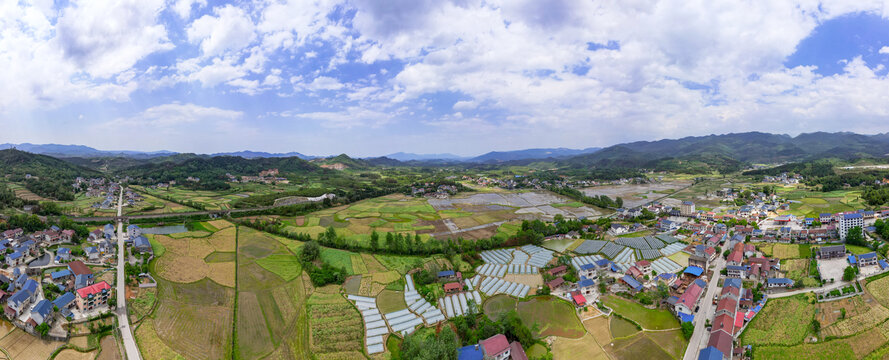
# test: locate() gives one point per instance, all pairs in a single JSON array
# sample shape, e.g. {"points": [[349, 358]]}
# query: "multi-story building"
{"points": [[849, 221], [90, 297], [687, 208]]}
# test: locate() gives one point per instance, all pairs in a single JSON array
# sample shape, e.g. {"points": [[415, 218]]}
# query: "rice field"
{"points": [[554, 317], [271, 318]]}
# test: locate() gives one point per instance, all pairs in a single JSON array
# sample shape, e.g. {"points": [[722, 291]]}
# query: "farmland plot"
{"points": [[336, 327], [783, 321], [272, 320]]}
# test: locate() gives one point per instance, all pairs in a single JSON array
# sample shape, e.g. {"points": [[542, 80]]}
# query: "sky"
{"points": [[368, 77]]}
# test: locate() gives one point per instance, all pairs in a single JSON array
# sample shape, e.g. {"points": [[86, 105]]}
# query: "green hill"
{"points": [[43, 175]]}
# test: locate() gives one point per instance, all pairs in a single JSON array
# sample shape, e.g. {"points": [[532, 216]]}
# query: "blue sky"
{"points": [[368, 78]]}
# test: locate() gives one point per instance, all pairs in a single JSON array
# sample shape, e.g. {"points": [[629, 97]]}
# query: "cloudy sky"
{"points": [[369, 77]]}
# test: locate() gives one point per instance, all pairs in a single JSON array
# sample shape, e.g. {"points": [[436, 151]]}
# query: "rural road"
{"points": [[700, 337], [129, 343], [828, 287]]}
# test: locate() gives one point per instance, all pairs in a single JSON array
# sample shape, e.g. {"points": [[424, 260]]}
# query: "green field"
{"points": [[338, 258], [812, 203], [498, 304], [553, 317], [783, 321], [622, 328], [647, 318], [284, 265]]}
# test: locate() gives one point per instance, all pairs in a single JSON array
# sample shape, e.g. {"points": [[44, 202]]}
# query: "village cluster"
{"points": [[51, 277]]}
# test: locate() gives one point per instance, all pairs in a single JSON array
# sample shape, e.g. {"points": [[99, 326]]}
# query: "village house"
{"points": [[736, 271], [40, 314], [92, 296], [15, 258], [495, 347], [19, 301], [644, 266], [63, 254], [557, 271], [65, 303], [142, 245], [587, 288], [453, 287], [450, 275], [689, 299], [133, 231], [556, 285], [832, 252], [869, 259], [634, 285], [67, 236], [772, 283]]}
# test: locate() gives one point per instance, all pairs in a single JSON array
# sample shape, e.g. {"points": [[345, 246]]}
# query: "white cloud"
{"points": [[230, 30], [324, 83], [177, 114], [346, 119], [884, 50], [183, 7], [104, 48]]}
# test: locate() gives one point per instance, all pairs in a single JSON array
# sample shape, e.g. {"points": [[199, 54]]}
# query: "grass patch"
{"points": [[389, 301], [554, 317], [621, 328], [498, 304], [284, 265], [220, 256], [338, 258], [649, 319]]}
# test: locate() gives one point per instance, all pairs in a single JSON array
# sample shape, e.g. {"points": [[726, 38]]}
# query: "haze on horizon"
{"points": [[369, 78]]}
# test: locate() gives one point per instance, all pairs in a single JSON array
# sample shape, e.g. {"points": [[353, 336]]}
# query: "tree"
{"points": [[688, 328], [816, 326], [849, 273], [42, 329], [374, 241], [425, 345], [855, 236], [310, 251]]}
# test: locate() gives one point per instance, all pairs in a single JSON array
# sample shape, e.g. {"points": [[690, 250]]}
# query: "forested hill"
{"points": [[730, 152], [50, 177], [212, 170]]}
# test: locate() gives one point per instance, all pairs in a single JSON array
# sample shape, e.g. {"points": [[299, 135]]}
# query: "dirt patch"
{"points": [[71, 354], [598, 327], [110, 350], [299, 220], [532, 280]]}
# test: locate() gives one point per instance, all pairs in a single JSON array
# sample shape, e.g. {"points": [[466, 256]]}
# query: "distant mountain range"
{"points": [[496, 156], [730, 151], [727, 152], [57, 150], [81, 151]]}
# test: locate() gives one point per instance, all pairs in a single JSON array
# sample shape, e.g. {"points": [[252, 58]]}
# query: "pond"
{"points": [[165, 230]]}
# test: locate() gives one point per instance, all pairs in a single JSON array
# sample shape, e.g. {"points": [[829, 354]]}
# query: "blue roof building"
{"points": [[585, 283], [41, 311], [631, 282], [710, 353], [81, 281], [733, 282], [852, 259], [63, 300], [61, 274], [852, 216], [683, 317], [779, 282], [694, 271], [470, 352], [446, 273], [31, 286]]}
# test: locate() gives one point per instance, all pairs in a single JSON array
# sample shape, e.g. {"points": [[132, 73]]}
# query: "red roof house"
{"points": [[453, 287], [495, 345]]}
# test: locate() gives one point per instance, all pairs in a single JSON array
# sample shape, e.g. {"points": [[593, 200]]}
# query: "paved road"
{"points": [[129, 343], [700, 337]]}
